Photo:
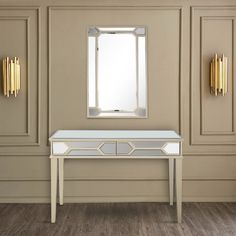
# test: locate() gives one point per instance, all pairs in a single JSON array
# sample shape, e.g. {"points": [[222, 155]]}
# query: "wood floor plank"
{"points": [[118, 219]]}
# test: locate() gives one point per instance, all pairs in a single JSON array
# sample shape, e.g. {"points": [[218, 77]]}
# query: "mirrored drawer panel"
{"points": [[119, 148], [147, 148], [84, 148]]}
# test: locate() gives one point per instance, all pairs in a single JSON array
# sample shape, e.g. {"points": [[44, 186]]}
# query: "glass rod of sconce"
{"points": [[11, 76], [218, 75]]}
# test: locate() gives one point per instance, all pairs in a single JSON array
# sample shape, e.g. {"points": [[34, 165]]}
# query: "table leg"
{"points": [[171, 180], [53, 189], [61, 180], [178, 179]]}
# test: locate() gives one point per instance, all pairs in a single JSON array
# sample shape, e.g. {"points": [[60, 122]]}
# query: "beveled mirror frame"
{"points": [[95, 111]]}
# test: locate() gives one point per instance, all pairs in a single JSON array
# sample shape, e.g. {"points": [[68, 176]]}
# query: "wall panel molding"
{"points": [[24, 163], [118, 191], [204, 141], [202, 126], [26, 19], [151, 170], [31, 15], [111, 8]]}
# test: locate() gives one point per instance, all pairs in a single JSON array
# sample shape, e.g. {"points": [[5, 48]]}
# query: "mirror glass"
{"points": [[117, 81]]}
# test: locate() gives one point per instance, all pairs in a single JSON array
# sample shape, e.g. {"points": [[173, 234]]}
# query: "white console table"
{"points": [[116, 144]]}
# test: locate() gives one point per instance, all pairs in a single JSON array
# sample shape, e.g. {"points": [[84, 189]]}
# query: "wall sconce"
{"points": [[11, 76], [218, 75]]}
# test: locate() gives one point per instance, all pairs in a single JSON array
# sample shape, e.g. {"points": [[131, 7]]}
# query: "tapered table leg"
{"points": [[178, 179], [61, 180], [171, 180], [53, 189]]}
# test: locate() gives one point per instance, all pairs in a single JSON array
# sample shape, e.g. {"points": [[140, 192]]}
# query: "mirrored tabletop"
{"points": [[115, 134]]}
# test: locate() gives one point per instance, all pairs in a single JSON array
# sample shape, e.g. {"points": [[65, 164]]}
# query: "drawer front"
{"points": [[147, 148], [112, 148], [84, 148]]}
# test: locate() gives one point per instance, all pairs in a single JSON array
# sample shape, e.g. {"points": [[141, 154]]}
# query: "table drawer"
{"points": [[113, 148], [84, 148], [147, 148]]}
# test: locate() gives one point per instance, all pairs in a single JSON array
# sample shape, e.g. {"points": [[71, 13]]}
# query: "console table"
{"points": [[116, 144]]}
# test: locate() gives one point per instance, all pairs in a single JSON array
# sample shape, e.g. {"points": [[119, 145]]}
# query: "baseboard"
{"points": [[46, 200]]}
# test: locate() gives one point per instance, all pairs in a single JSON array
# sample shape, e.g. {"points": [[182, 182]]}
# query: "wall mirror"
{"points": [[117, 80]]}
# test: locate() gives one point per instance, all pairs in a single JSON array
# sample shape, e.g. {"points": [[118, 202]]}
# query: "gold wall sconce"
{"points": [[11, 76], [218, 75]]}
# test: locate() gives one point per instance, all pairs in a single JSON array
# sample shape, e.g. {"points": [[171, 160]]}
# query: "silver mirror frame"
{"points": [[139, 112]]}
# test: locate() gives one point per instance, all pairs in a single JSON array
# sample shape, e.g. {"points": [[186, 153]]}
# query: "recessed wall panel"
{"points": [[20, 115], [217, 114], [68, 66], [212, 117], [14, 115]]}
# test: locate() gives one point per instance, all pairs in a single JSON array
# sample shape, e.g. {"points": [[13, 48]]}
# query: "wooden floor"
{"points": [[128, 219]]}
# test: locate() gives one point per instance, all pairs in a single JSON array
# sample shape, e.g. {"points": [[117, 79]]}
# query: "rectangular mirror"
{"points": [[117, 80]]}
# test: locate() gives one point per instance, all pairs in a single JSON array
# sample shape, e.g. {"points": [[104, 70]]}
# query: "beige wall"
{"points": [[50, 39]]}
